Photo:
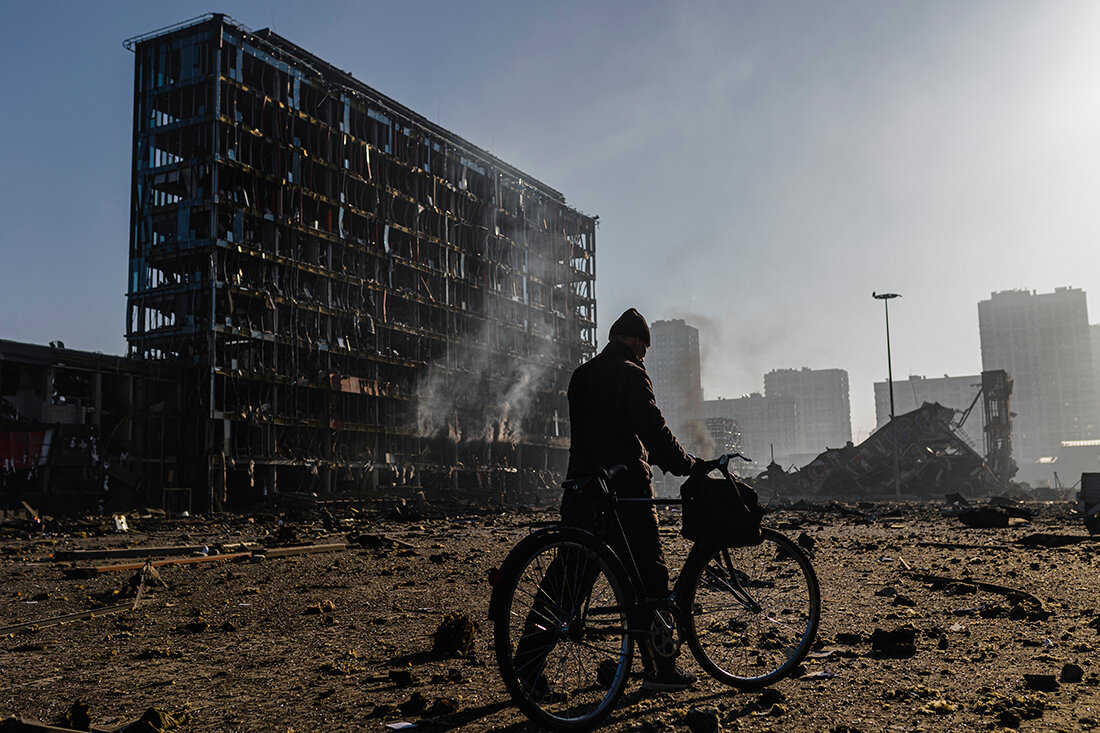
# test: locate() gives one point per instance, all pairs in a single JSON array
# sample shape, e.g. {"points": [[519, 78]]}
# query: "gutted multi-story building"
{"points": [[361, 298]]}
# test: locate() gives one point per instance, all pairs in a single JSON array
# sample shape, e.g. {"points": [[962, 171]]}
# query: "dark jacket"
{"points": [[614, 419]]}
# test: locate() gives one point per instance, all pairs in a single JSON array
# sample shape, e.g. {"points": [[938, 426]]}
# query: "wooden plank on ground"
{"points": [[991, 587], [91, 572], [271, 552], [102, 554], [79, 616]]}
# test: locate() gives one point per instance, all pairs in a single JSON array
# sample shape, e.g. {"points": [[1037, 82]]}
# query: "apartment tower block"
{"points": [[1042, 340]]}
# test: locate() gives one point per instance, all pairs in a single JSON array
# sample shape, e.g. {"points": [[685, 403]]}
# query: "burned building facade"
{"points": [[359, 297]]}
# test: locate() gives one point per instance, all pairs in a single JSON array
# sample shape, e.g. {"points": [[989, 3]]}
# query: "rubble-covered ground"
{"points": [[342, 640]]}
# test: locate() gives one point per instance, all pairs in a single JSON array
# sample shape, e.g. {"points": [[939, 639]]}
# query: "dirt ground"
{"points": [[341, 641]]}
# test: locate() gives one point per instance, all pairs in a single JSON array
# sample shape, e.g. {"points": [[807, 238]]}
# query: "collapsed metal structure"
{"points": [[934, 455], [358, 298]]}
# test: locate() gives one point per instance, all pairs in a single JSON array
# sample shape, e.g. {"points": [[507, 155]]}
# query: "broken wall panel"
{"points": [[295, 234]]}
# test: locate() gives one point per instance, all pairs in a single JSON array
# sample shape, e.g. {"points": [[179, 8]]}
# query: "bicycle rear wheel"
{"points": [[560, 628], [751, 612]]}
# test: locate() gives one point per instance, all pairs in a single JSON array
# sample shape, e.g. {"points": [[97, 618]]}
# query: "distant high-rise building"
{"points": [[766, 424], [673, 365], [824, 412], [1094, 333], [1042, 340], [958, 393]]}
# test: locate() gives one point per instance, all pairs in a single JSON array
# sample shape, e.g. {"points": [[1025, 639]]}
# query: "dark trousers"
{"points": [[639, 540], [565, 585]]}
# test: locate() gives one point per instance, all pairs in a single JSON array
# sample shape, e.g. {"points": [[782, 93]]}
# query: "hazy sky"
{"points": [[758, 168]]}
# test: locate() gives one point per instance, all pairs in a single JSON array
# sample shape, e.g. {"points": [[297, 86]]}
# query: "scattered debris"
{"points": [[898, 643], [54, 620], [391, 621], [443, 706], [302, 550], [702, 720], [404, 678], [1041, 682], [1011, 710], [155, 720], [415, 705], [1055, 540], [963, 546], [1071, 673], [142, 552], [455, 636], [369, 541], [939, 707], [77, 716], [91, 572], [959, 586]]}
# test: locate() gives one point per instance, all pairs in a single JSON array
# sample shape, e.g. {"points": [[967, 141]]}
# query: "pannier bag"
{"points": [[720, 512], [583, 503]]}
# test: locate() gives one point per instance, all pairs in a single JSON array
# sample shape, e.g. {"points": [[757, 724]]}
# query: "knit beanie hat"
{"points": [[630, 323]]}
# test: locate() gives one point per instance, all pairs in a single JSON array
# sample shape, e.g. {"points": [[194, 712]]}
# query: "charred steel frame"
{"points": [[360, 297]]}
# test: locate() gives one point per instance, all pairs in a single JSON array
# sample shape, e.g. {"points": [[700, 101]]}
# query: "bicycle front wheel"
{"points": [[560, 623], [751, 612]]}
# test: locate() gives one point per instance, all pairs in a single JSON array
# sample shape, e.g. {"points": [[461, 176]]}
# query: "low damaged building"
{"points": [[85, 431]]}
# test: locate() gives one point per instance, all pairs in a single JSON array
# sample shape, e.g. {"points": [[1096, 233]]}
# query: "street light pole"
{"points": [[886, 298]]}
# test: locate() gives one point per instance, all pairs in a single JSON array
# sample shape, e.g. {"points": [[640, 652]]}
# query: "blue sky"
{"points": [[758, 167]]}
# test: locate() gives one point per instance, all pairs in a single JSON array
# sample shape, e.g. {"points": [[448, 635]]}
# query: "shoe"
{"points": [[668, 679]]}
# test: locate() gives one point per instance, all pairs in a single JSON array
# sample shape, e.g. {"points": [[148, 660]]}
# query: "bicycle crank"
{"points": [[662, 635]]}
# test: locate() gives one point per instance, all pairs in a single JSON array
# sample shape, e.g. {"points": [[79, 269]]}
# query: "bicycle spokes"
{"points": [[754, 611], [562, 641], [723, 575]]}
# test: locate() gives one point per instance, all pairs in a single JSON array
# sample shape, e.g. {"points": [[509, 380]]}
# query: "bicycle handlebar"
{"points": [[721, 462]]}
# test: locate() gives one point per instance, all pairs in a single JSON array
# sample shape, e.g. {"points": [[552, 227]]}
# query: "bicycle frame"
{"points": [[733, 584]]}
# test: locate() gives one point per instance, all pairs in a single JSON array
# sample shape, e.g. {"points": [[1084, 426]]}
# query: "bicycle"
{"points": [[568, 612]]}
